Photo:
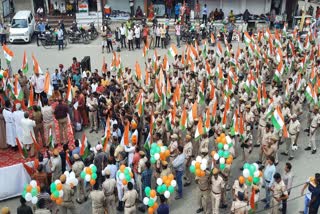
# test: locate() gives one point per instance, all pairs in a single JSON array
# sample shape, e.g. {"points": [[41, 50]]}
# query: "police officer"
{"points": [[129, 200], [203, 192], [67, 202], [217, 185], [109, 189], [294, 130], [98, 200], [187, 150], [77, 168]]}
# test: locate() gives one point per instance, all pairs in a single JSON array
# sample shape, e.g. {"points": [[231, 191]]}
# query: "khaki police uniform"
{"points": [[67, 204], [203, 191], [217, 186], [129, 200], [108, 187], [279, 189], [294, 129], [98, 201], [77, 168], [187, 150]]}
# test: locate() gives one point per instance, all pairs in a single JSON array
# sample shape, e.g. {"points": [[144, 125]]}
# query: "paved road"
{"points": [[304, 164]]}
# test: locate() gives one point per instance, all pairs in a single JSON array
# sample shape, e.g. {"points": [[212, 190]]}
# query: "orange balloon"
{"points": [[250, 179], [29, 188], [167, 183], [59, 201], [38, 188], [59, 186], [198, 172], [122, 168], [167, 153], [241, 179], [197, 165], [213, 153], [165, 178], [52, 197], [153, 193], [171, 177], [229, 161], [218, 140], [134, 139], [92, 182], [155, 206], [5, 73], [88, 170], [202, 173], [224, 141], [150, 210], [222, 135], [124, 182], [162, 156]]}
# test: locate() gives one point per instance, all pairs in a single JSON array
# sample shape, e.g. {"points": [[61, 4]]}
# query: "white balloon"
{"points": [[91, 165], [157, 156], [66, 173], [28, 196], [228, 139], [88, 178], [159, 181], [121, 176], [145, 200], [167, 194], [60, 193], [103, 173], [199, 159], [216, 156], [68, 181], [72, 175], [226, 147], [204, 161], [75, 182], [222, 161], [203, 167], [256, 173], [155, 198], [57, 182], [163, 149], [174, 183], [256, 165], [246, 173], [129, 169], [33, 183], [34, 200], [193, 162]]}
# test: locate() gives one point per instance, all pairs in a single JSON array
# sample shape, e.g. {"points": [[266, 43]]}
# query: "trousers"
{"points": [[63, 130], [203, 197], [215, 200], [93, 120]]}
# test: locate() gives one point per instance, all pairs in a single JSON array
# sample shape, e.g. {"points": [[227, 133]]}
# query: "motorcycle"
{"points": [[49, 39], [78, 36], [92, 32]]}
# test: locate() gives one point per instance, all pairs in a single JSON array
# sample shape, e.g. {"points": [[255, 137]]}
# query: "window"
{"points": [[29, 20], [31, 16], [19, 23]]}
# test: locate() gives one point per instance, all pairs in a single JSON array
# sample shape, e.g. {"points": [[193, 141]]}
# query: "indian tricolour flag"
{"points": [[309, 92], [193, 113], [172, 51], [22, 150], [138, 72], [48, 88], [107, 135], [183, 120], [279, 55], [24, 66], [235, 123], [201, 93], [199, 129], [84, 150], [69, 92], [18, 93], [212, 38], [247, 38], [278, 121], [36, 66], [267, 34], [278, 72], [8, 54], [31, 99], [50, 139], [140, 103], [207, 121], [219, 50]]}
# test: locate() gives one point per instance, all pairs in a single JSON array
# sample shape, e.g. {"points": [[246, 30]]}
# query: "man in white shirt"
{"points": [[137, 33], [130, 39], [37, 81], [123, 36]]}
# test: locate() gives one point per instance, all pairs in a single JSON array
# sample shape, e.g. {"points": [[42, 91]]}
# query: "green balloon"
{"points": [[220, 153], [152, 151], [230, 145], [158, 150], [171, 189], [256, 180], [154, 145], [246, 166], [83, 174], [53, 187], [164, 188], [94, 176], [94, 169], [126, 171], [153, 160], [128, 177], [24, 193], [220, 146], [56, 194], [147, 191], [150, 202], [34, 192], [192, 169], [248, 183], [159, 189], [226, 154], [222, 166]]}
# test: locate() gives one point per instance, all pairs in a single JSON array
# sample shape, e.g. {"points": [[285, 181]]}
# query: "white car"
{"points": [[22, 27]]}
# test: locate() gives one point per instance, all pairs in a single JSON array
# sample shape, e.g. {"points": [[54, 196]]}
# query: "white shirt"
{"points": [[38, 83], [94, 87], [130, 34], [27, 129], [122, 30], [137, 32]]}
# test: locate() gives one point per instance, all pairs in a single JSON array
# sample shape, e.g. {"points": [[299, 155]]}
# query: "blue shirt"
{"points": [[146, 176], [177, 9], [42, 27], [55, 78], [76, 151], [163, 209], [77, 79], [178, 163], [269, 173]]}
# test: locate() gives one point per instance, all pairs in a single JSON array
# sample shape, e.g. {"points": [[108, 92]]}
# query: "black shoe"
{"points": [[266, 207], [199, 210], [264, 200], [258, 162], [314, 151], [256, 145], [290, 158], [241, 168], [284, 153], [177, 197], [141, 209], [78, 201], [223, 206], [276, 163], [96, 131], [187, 184], [91, 131], [307, 130], [308, 148]]}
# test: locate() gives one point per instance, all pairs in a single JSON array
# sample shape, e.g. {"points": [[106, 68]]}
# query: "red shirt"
{"points": [[75, 67], [135, 161], [100, 89]]}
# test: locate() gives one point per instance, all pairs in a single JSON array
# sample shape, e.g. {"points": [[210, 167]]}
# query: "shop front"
{"points": [[121, 9]]}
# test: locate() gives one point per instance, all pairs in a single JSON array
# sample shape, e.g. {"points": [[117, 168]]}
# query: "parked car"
{"points": [[22, 27]]}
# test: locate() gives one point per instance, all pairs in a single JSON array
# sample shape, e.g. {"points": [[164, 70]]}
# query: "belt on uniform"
{"points": [[93, 111], [108, 194], [215, 193], [313, 127], [130, 206], [267, 181], [203, 190], [292, 134], [261, 125]]}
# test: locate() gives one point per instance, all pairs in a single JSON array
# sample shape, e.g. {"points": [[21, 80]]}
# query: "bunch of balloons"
{"points": [[199, 166], [150, 200], [89, 174], [158, 151], [30, 192], [166, 185], [223, 155], [56, 192], [125, 174], [71, 180], [251, 173]]}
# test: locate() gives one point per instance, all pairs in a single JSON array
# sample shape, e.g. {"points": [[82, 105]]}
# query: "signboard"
{"points": [[83, 6], [6, 8], [159, 9]]}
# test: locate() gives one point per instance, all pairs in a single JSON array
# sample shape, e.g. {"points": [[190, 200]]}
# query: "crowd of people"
{"points": [[254, 96]]}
